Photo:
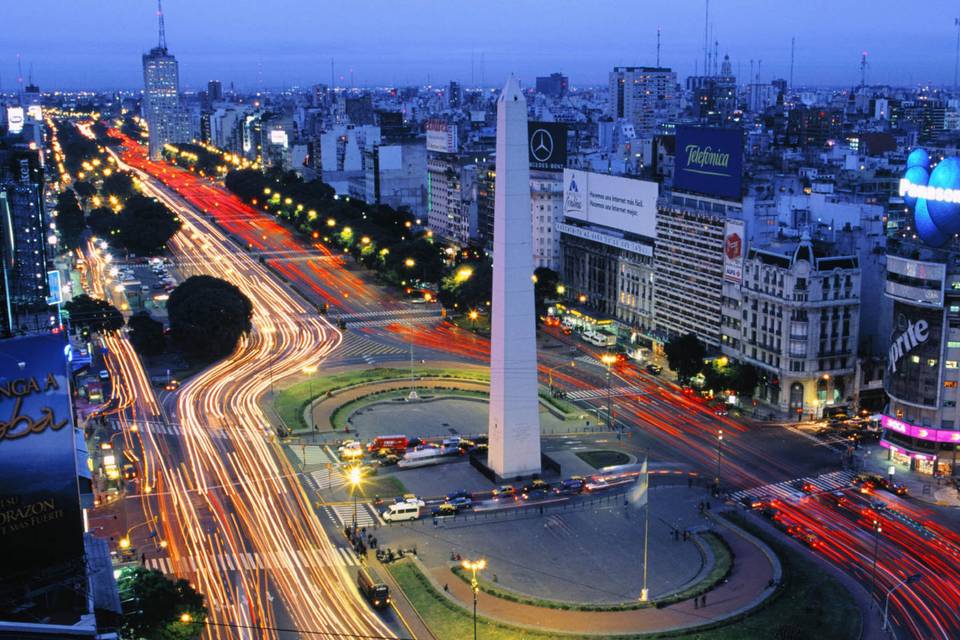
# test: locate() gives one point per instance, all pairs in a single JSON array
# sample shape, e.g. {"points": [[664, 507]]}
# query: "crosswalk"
{"points": [[383, 322], [788, 489], [389, 313], [326, 479], [603, 392], [355, 345], [589, 360], [342, 515], [228, 562], [158, 428]]}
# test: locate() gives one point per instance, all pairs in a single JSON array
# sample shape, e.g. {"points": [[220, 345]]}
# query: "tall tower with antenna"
{"points": [[161, 94], [658, 47], [793, 44], [863, 69], [706, 40]]}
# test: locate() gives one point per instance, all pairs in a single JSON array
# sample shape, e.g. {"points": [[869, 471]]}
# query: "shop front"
{"points": [[922, 449]]}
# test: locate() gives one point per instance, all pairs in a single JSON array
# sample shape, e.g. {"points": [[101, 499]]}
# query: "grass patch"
{"points": [[567, 410], [605, 458], [385, 485], [723, 563], [338, 419], [292, 401]]}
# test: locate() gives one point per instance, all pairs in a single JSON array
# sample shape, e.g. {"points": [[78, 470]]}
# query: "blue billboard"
{"points": [[709, 161], [41, 526]]}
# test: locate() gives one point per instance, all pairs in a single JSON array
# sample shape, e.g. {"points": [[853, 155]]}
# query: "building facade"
{"points": [[546, 203], [645, 96], [161, 100]]}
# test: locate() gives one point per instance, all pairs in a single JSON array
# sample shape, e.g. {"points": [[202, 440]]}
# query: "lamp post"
{"points": [[124, 542], [877, 530], [719, 457], [609, 359], [354, 476], [309, 371], [550, 371], [886, 601], [473, 566], [473, 315]]}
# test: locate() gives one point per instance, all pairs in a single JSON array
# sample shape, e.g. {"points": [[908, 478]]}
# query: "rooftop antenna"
{"points": [[793, 44], [19, 79], [752, 80], [716, 58], [759, 64], [863, 70], [706, 40], [163, 29], [333, 80], [658, 51]]}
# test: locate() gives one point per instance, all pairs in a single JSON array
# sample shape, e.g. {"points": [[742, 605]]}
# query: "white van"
{"points": [[400, 511]]}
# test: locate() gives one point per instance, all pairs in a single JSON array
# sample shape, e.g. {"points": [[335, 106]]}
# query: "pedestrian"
{"points": [[446, 587], [703, 600], [143, 559], [696, 602]]}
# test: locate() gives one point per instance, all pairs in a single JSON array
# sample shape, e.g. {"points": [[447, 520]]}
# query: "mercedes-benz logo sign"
{"points": [[541, 145]]}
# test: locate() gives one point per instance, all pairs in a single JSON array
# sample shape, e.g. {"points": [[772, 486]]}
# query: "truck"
{"points": [[402, 511], [391, 443], [376, 593], [425, 456], [599, 338]]}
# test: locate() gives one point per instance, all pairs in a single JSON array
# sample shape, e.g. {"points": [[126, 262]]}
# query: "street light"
{"points": [[409, 262], [877, 529], [609, 359], [473, 566], [719, 457], [354, 476], [886, 603], [473, 315], [186, 618]]}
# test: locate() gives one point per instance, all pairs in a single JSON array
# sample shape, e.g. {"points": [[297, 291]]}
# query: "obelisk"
{"points": [[514, 422]]}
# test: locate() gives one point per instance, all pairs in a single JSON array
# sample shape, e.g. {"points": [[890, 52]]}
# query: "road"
{"points": [[654, 415]]}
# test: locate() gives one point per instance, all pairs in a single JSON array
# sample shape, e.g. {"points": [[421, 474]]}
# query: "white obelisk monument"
{"points": [[514, 422]]}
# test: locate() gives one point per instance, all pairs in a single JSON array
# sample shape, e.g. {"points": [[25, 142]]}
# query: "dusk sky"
{"points": [[256, 43]]}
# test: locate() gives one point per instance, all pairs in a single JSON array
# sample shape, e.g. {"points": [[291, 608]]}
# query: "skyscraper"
{"points": [[161, 101], [645, 96], [514, 421], [214, 91]]}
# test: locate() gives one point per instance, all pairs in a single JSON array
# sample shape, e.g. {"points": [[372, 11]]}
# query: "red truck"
{"points": [[391, 443]]}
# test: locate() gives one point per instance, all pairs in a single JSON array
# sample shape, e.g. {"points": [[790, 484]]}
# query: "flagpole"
{"points": [[644, 593]]}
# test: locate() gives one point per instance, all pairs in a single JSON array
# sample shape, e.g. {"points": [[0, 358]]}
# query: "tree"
{"points": [[145, 226], [146, 334], [685, 355], [544, 287], [156, 608], [94, 314], [84, 189], [718, 379], [468, 287], [70, 221], [104, 222], [207, 317], [745, 381], [118, 183]]}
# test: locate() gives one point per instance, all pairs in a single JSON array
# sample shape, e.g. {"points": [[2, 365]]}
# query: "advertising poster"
{"points": [[623, 204], [709, 161], [41, 525], [734, 248], [548, 146], [913, 361], [441, 136]]}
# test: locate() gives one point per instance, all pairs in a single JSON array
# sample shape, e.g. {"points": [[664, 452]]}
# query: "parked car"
{"points": [[536, 494], [505, 491], [462, 504], [445, 509], [655, 369], [570, 486], [459, 493]]}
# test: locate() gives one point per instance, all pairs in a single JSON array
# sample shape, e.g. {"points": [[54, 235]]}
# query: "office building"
{"points": [[646, 96], [546, 203], [161, 99], [214, 91], [451, 196], [394, 175], [555, 85], [454, 96]]}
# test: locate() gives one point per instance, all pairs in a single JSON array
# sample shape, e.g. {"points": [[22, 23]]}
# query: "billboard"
{"points": [[15, 119], [915, 281], [734, 248], [709, 161], [41, 528], [913, 360], [625, 204], [441, 136], [548, 145]]}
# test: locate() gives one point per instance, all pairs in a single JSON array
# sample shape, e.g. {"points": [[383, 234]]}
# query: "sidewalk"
{"points": [[936, 491], [747, 586]]}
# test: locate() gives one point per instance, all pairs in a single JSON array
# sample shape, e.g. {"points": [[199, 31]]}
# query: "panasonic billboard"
{"points": [[709, 161], [624, 204]]}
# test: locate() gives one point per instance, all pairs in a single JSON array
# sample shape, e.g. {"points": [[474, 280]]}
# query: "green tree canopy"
{"points": [[685, 355], [118, 183], [471, 291], [94, 314], [745, 382], [70, 222], [145, 226], [146, 334], [207, 317], [156, 608], [84, 189], [544, 287]]}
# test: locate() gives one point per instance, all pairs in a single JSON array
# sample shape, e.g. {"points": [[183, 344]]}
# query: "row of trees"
{"points": [[686, 354]]}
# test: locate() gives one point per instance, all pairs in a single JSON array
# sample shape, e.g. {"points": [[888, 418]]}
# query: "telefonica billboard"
{"points": [[709, 161], [41, 527]]}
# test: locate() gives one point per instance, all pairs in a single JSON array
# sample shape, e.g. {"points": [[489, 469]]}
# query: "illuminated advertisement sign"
{"points": [[914, 355], [15, 119], [279, 137], [734, 248], [40, 522], [914, 281], [921, 433], [624, 204], [441, 136], [709, 161], [933, 190], [548, 145]]}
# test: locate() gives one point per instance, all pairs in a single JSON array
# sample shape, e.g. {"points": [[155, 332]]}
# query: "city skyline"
{"points": [[285, 45]]}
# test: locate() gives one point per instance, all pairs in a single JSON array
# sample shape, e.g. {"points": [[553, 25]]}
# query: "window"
{"points": [[951, 364], [949, 384]]}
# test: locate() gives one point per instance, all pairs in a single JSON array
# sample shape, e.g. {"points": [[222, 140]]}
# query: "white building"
{"points": [[546, 204], [393, 175], [161, 101], [451, 197]]}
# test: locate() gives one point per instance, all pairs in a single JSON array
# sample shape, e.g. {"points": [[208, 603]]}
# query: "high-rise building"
{"points": [[161, 99], [214, 91], [645, 96], [554, 85], [454, 96]]}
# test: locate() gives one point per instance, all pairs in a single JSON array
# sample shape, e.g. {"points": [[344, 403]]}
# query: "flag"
{"points": [[638, 492]]}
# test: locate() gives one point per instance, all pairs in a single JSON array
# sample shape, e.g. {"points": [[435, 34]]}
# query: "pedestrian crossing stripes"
{"points": [[793, 489], [350, 317], [414, 320], [589, 360], [343, 514], [228, 562], [602, 392], [324, 479], [354, 345], [165, 429]]}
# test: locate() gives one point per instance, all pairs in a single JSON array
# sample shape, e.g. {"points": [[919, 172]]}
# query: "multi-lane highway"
{"points": [[226, 499]]}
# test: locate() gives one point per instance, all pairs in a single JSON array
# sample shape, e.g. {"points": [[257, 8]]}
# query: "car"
{"points": [[570, 486], [505, 491], [459, 493], [445, 509], [688, 390], [898, 489], [411, 498], [129, 472], [655, 369], [172, 385], [719, 409], [536, 494], [462, 504], [535, 484], [389, 460]]}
